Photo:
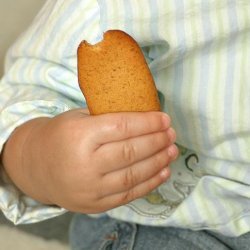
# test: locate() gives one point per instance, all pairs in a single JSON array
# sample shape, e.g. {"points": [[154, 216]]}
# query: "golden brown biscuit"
{"points": [[114, 76]]}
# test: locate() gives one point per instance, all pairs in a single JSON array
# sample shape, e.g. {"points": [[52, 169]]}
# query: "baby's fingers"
{"points": [[118, 155], [120, 126], [127, 178], [138, 191]]}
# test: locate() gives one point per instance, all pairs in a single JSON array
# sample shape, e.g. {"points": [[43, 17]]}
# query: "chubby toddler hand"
{"points": [[91, 164]]}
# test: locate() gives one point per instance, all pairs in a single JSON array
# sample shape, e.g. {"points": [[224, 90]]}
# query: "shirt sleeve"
{"points": [[41, 81]]}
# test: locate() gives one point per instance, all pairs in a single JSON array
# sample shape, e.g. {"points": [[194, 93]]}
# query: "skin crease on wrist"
{"points": [[90, 164]]}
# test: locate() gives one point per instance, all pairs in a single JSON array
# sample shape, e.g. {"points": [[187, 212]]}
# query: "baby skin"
{"points": [[90, 164]]}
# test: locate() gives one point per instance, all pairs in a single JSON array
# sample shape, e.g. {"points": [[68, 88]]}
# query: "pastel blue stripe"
{"points": [[178, 79], [229, 84], [204, 81], [154, 19], [58, 26], [67, 50], [38, 74], [129, 22], [21, 76], [104, 15], [224, 169], [193, 211], [180, 29], [213, 192]]}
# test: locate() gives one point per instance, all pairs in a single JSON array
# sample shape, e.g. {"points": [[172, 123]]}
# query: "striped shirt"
{"points": [[199, 54]]}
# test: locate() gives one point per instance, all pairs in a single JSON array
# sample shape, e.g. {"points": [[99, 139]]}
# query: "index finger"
{"points": [[120, 126]]}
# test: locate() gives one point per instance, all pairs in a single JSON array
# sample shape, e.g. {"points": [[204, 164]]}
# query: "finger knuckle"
{"points": [[127, 196], [122, 125], [129, 179], [128, 152]]}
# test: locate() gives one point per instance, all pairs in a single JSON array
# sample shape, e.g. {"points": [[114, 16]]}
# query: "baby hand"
{"points": [[91, 164]]}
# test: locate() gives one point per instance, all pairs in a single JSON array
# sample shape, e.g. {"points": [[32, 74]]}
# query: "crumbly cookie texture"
{"points": [[114, 76]]}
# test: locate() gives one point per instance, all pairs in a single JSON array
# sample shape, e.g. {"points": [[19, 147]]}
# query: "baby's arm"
{"points": [[90, 164]]}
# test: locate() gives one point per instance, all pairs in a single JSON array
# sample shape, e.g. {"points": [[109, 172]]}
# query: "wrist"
{"points": [[20, 159]]}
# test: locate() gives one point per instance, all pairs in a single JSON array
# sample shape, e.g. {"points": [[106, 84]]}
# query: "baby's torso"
{"points": [[199, 54]]}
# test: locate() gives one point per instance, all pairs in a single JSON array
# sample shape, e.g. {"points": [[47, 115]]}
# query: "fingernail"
{"points": [[173, 151], [171, 134], [165, 172], [165, 121]]}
